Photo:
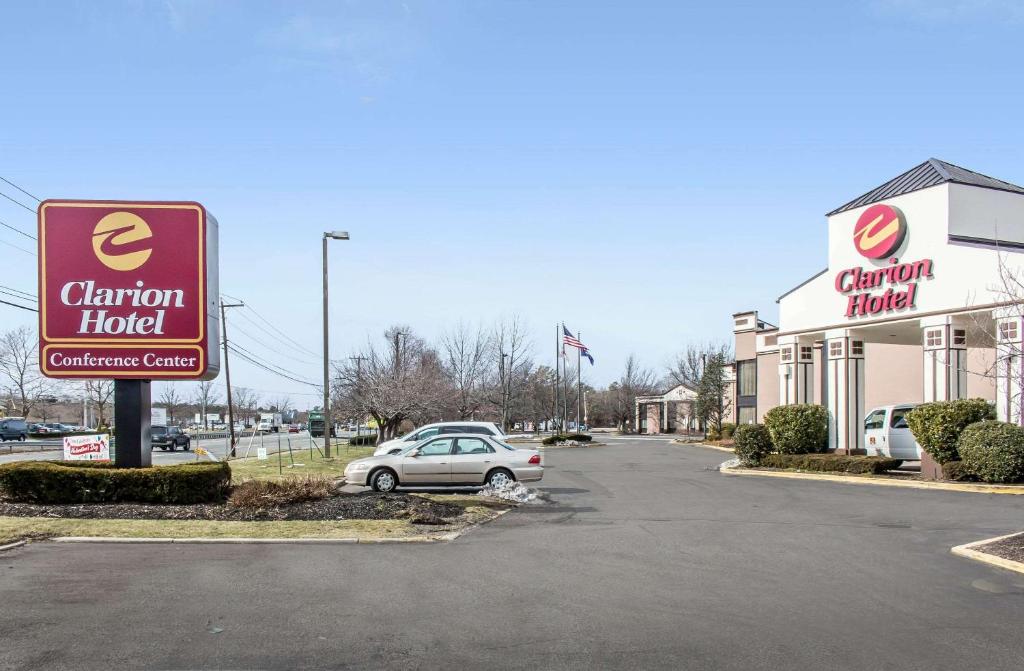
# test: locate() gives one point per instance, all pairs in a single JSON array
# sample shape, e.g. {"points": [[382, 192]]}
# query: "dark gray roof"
{"points": [[930, 173]]}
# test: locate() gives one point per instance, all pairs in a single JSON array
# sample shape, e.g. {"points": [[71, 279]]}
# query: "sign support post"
{"points": [[132, 407]]}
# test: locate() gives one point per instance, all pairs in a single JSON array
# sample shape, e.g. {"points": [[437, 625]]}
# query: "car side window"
{"points": [[472, 446], [425, 433], [899, 419], [436, 447], [875, 420]]}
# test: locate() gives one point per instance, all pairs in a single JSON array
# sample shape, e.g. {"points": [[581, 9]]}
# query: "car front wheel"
{"points": [[383, 481], [22, 438], [500, 478], [187, 446]]}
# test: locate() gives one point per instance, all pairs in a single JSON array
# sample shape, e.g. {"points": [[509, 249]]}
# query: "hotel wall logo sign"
{"points": [[877, 235], [127, 290], [879, 231]]}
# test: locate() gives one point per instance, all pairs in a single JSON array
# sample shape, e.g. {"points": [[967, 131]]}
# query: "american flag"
{"points": [[572, 341], [569, 339]]}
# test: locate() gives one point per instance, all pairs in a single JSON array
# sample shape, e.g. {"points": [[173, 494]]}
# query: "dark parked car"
{"points": [[169, 438], [13, 428]]}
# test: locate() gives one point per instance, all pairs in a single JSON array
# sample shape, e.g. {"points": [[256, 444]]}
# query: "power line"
{"points": [[15, 305], [279, 331], [271, 349], [16, 296], [263, 362], [19, 291], [17, 202], [20, 249], [258, 364], [17, 230], [20, 189]]}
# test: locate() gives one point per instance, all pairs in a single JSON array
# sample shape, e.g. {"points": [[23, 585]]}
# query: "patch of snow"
{"points": [[515, 492], [732, 463]]}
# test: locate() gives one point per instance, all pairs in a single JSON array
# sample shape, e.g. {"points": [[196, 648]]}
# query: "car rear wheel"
{"points": [[22, 438], [499, 478], [383, 481], [187, 446]]}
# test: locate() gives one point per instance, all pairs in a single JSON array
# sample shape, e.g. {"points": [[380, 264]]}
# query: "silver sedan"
{"points": [[453, 460]]}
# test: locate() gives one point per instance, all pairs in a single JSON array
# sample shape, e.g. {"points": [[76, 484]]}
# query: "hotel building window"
{"points": [[746, 391]]}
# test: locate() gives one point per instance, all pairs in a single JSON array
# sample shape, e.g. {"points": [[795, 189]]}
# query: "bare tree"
{"points": [[100, 394], [702, 367], [635, 381], [246, 402], [281, 404], [171, 399], [512, 351], [465, 355], [19, 369], [400, 381], [205, 396]]}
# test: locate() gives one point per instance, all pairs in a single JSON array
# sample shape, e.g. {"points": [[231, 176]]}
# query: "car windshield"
{"points": [[505, 445], [159, 430]]}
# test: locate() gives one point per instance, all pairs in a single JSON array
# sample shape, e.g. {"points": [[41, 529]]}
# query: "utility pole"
{"points": [[506, 390], [227, 369], [359, 382], [556, 425]]}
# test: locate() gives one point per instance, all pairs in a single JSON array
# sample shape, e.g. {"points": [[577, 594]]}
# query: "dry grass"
{"points": [[269, 469], [260, 494], [16, 528]]}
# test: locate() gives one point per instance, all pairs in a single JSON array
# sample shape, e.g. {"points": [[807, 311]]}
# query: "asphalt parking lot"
{"points": [[647, 558]]}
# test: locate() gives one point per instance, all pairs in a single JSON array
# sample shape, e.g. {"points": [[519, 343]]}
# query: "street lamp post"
{"points": [[333, 235]]}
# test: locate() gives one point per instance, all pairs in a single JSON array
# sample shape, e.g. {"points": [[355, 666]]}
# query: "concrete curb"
{"points": [[11, 546], [967, 550], [860, 480], [439, 538], [706, 446]]}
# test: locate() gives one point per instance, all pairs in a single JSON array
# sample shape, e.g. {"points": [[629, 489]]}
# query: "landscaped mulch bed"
{"points": [[1011, 548], [370, 506]]}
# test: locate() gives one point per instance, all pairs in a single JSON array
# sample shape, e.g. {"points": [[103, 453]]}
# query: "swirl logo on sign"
{"points": [[880, 231], [122, 241]]}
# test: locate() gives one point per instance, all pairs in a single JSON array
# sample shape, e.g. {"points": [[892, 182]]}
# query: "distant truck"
{"points": [[316, 423], [270, 422]]}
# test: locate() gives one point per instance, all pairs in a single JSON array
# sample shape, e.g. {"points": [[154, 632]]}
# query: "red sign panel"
{"points": [[126, 290], [879, 231]]}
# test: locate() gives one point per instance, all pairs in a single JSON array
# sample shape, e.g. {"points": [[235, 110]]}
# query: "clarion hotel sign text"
{"points": [[878, 233], [127, 290]]}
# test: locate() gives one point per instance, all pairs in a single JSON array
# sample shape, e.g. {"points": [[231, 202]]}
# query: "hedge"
{"points": [[753, 444], [937, 426], [728, 429], [831, 463], [801, 428], [993, 451], [369, 439], [956, 471], [85, 482]]}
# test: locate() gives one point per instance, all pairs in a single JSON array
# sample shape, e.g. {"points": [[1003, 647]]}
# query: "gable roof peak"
{"points": [[930, 173]]}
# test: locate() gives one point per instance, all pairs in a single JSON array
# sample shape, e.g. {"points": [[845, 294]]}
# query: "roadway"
{"points": [[646, 558]]}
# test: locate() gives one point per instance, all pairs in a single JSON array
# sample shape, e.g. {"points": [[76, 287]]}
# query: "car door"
{"points": [[901, 439], [874, 433], [471, 459], [431, 465]]}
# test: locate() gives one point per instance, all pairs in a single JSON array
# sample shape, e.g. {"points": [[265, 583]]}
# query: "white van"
{"points": [[886, 433]]}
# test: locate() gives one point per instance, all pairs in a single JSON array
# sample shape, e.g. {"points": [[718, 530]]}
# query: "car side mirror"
{"points": [[413, 453]]}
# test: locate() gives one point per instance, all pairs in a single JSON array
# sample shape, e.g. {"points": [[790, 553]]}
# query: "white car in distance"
{"points": [[396, 445]]}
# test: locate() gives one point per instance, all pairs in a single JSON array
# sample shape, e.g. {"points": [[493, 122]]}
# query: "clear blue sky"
{"points": [[640, 170]]}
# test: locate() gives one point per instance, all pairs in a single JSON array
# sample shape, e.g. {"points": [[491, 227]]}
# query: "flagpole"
{"points": [[554, 410], [565, 381], [579, 381]]}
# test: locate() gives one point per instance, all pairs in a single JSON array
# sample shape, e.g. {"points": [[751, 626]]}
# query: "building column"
{"points": [[844, 356], [796, 371], [944, 342], [636, 425], [664, 428], [1009, 367]]}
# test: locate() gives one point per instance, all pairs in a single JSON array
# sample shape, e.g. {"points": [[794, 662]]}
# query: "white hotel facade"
{"points": [[918, 303]]}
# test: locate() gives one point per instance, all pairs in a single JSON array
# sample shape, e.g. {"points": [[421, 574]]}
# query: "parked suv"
{"points": [[13, 428], [169, 438], [396, 445]]}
